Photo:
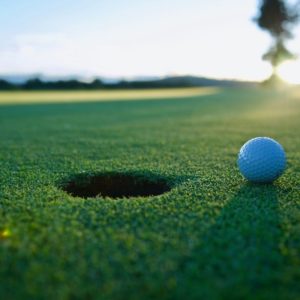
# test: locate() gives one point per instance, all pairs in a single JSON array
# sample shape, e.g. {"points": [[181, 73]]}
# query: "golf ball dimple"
{"points": [[261, 160]]}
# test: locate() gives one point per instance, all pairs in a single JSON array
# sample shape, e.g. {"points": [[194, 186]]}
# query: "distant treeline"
{"points": [[169, 82]]}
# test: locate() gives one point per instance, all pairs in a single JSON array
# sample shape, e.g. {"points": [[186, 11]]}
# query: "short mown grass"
{"points": [[212, 236]]}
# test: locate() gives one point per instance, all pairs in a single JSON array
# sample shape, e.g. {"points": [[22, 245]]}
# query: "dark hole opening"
{"points": [[116, 186]]}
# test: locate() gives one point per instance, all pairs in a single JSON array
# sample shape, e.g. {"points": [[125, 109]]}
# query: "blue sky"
{"points": [[119, 38]]}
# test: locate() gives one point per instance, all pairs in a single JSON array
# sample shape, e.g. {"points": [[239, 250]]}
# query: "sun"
{"points": [[290, 71]]}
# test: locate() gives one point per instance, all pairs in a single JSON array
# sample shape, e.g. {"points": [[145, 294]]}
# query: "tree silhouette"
{"points": [[277, 17]]}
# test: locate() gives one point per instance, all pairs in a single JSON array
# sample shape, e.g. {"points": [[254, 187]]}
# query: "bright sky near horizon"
{"points": [[128, 38]]}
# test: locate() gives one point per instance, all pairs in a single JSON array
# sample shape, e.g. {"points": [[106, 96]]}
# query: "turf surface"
{"points": [[213, 236]]}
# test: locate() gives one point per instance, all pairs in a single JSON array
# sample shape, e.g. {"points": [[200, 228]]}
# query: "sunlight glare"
{"points": [[290, 71]]}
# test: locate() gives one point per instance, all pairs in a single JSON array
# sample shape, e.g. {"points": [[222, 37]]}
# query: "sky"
{"points": [[131, 38]]}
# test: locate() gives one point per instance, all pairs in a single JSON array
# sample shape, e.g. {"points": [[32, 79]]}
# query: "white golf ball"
{"points": [[261, 160]]}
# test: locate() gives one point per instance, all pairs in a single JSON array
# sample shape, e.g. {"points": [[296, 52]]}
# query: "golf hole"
{"points": [[116, 185]]}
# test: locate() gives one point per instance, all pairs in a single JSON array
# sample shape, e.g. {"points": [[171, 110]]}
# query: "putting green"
{"points": [[212, 236]]}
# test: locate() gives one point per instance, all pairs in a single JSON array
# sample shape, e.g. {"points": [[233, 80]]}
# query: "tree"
{"points": [[277, 17]]}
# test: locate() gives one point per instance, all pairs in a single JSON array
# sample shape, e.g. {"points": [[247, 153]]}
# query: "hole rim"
{"points": [[164, 183]]}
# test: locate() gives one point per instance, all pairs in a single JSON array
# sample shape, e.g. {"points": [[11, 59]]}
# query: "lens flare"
{"points": [[5, 233]]}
